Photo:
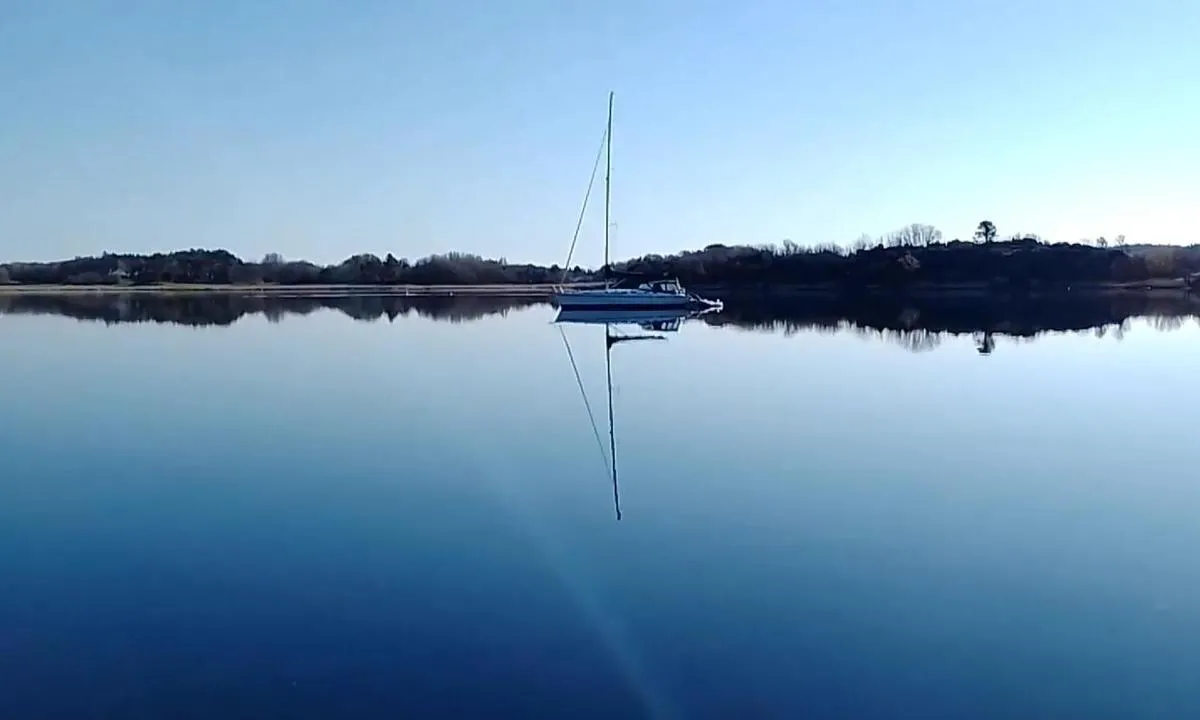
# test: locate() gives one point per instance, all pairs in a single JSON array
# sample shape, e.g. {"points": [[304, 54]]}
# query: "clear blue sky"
{"points": [[321, 128]]}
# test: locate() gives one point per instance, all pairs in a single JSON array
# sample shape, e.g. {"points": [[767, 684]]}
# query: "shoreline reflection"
{"points": [[915, 323]]}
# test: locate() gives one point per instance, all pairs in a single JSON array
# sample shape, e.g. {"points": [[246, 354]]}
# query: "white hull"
{"points": [[623, 299]]}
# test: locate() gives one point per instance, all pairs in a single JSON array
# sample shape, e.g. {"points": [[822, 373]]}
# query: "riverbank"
{"points": [[512, 291], [545, 291], [1160, 287], [1016, 315], [904, 260]]}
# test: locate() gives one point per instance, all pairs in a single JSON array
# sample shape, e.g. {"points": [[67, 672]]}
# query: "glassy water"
{"points": [[250, 508]]}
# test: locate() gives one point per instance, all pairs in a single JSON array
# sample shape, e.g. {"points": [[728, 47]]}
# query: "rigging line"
{"points": [[586, 404], [583, 210]]}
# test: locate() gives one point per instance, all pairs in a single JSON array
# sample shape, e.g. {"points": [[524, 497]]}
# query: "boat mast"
{"points": [[607, 183], [612, 430]]}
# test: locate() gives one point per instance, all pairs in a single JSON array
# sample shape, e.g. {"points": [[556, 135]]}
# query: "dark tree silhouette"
{"points": [[909, 257], [986, 232]]}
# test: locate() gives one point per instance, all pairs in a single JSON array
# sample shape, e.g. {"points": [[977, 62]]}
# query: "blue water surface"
{"points": [[321, 518]]}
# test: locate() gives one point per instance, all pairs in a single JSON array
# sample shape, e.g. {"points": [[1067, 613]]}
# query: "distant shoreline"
{"points": [[911, 261], [498, 290], [545, 291]]}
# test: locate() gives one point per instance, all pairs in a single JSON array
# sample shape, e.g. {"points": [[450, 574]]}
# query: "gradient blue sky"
{"points": [[319, 128]]}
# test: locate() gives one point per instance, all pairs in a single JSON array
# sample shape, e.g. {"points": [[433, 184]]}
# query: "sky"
{"points": [[319, 129]]}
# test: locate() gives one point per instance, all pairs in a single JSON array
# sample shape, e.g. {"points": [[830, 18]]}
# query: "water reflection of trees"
{"points": [[916, 324], [220, 309], [922, 323]]}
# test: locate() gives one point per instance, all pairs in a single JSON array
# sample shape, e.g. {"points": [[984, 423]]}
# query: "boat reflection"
{"points": [[650, 321]]}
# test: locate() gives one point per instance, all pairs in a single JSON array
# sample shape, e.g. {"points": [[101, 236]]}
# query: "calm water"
{"points": [[310, 516]]}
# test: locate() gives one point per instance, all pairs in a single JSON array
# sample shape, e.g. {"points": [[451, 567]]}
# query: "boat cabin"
{"points": [[666, 286]]}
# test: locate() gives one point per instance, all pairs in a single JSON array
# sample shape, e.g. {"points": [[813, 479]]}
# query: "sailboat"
{"points": [[626, 290], [651, 322]]}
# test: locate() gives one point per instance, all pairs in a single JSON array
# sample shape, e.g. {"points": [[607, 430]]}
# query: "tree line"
{"points": [[221, 267], [914, 254]]}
